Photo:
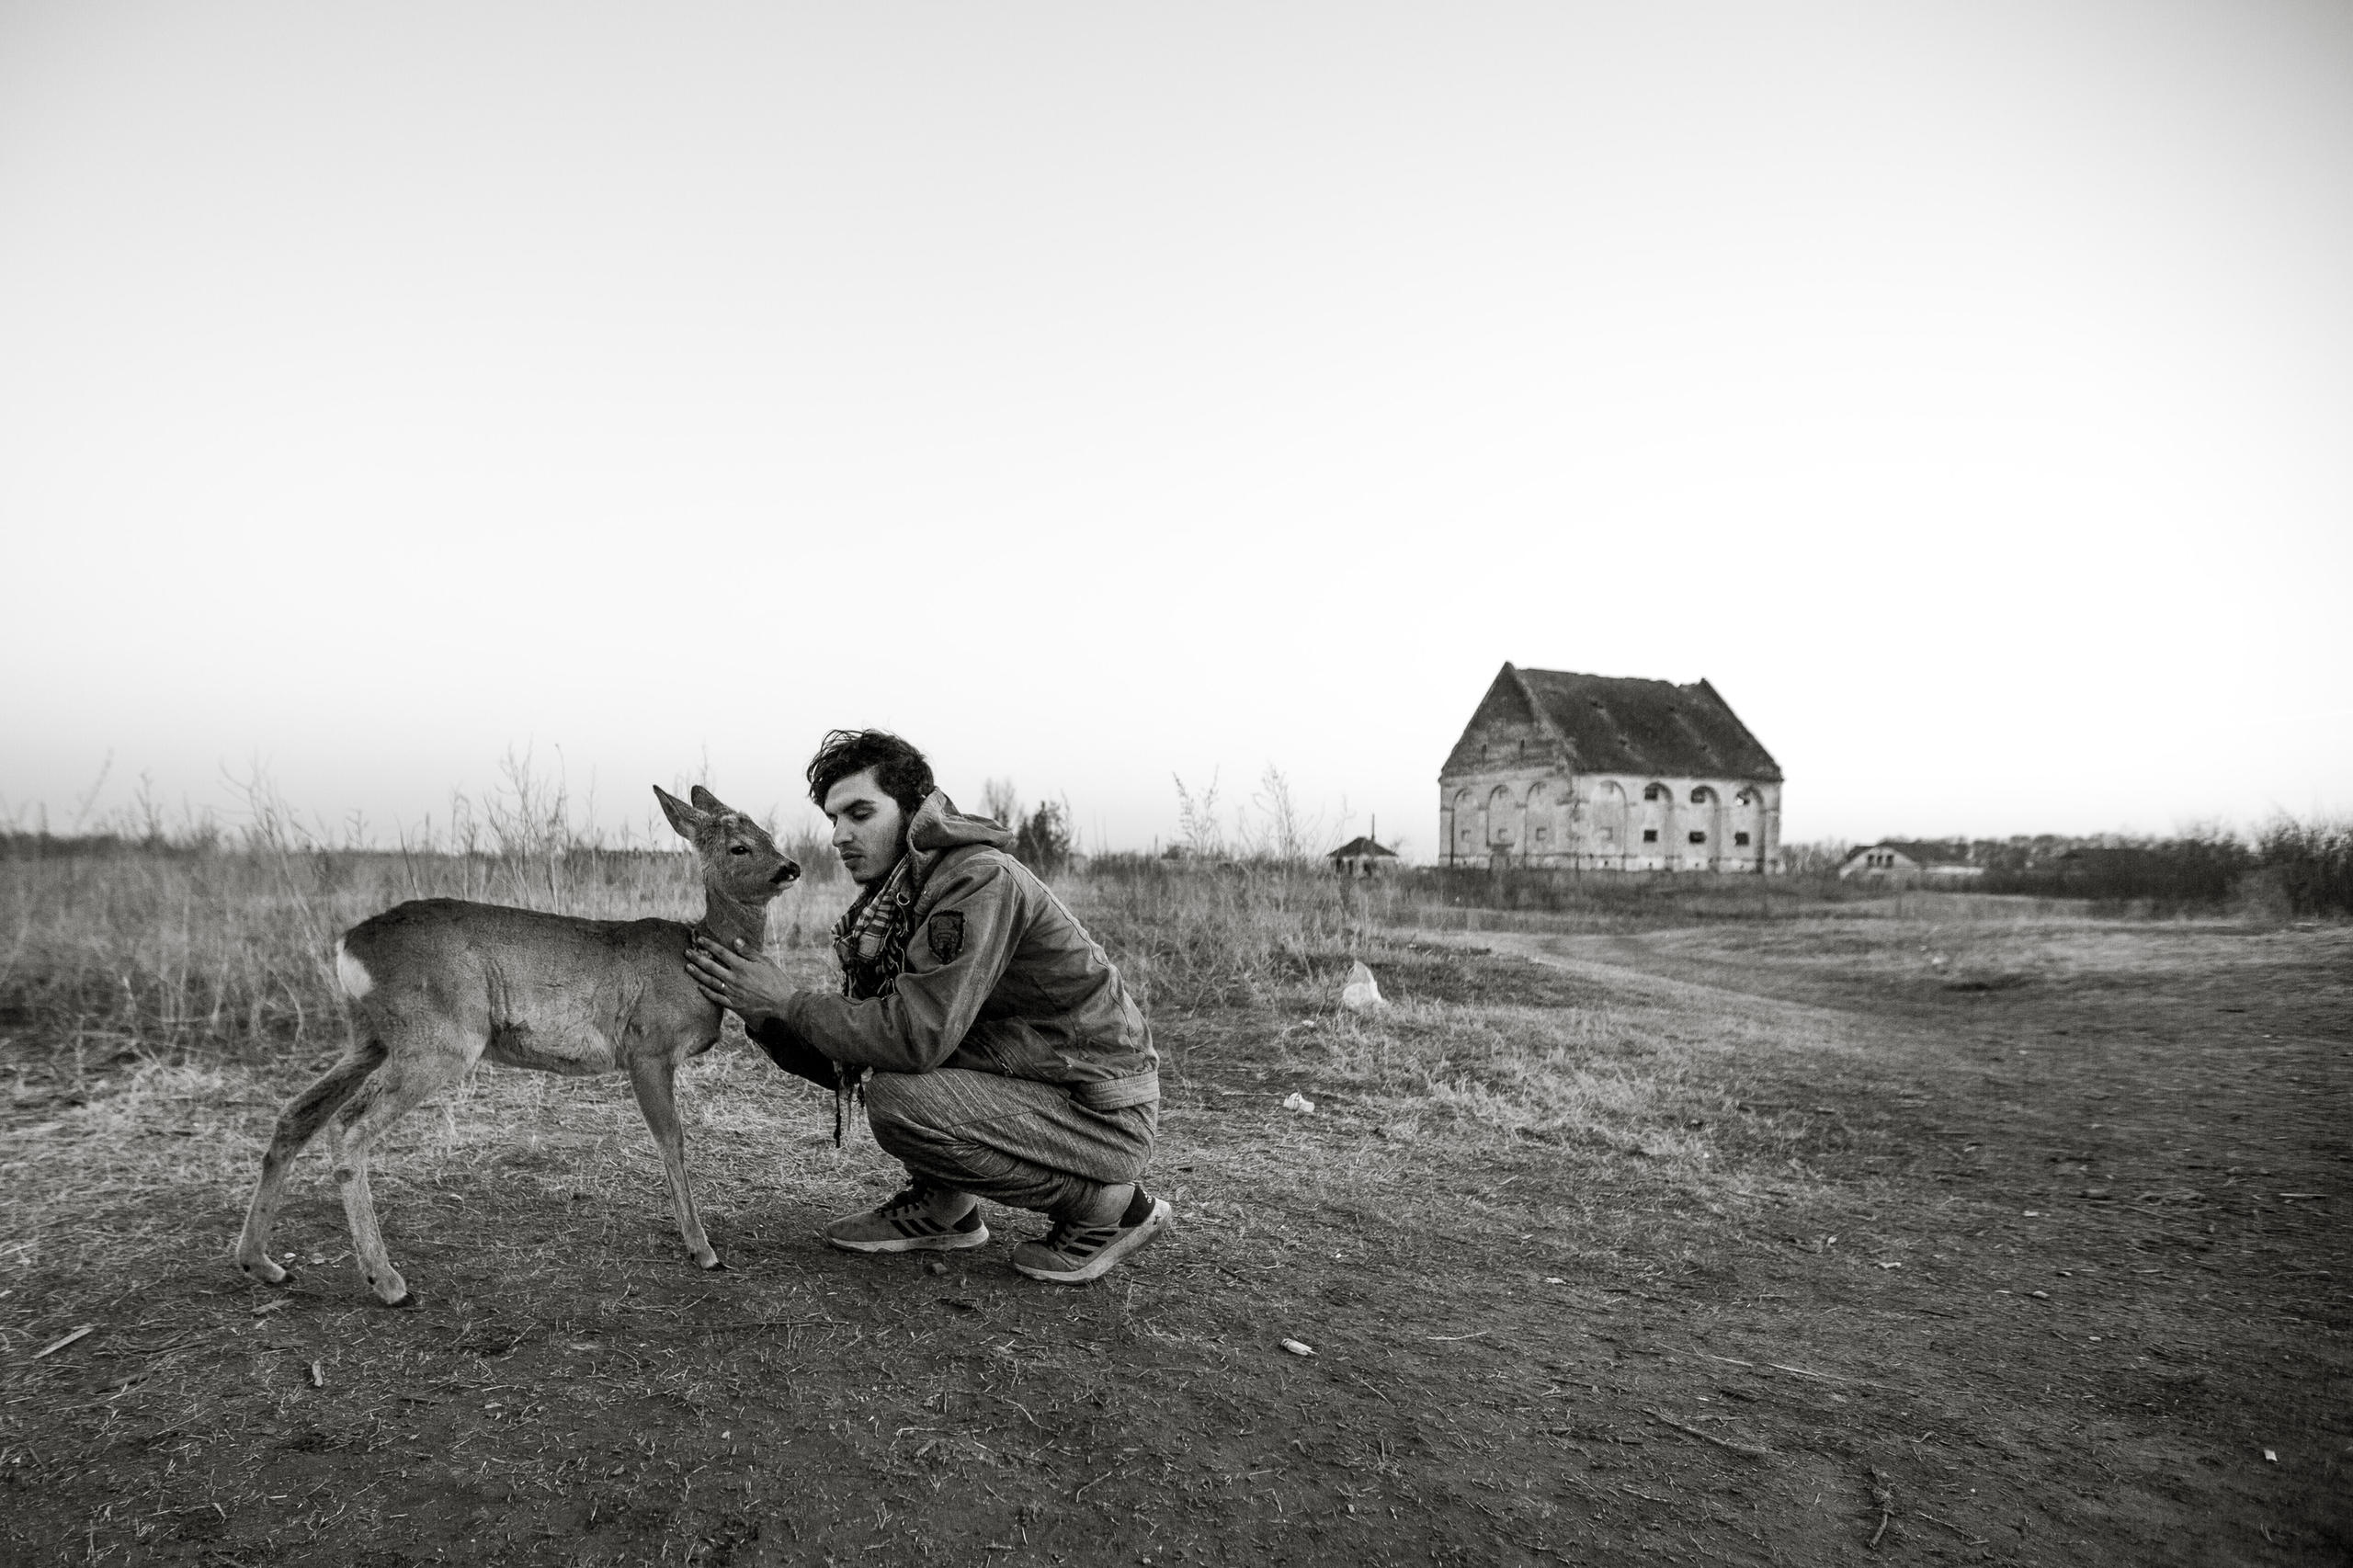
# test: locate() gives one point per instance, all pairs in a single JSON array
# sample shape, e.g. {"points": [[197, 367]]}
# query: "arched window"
{"points": [[1610, 815], [1501, 816], [1657, 814], [1745, 822]]}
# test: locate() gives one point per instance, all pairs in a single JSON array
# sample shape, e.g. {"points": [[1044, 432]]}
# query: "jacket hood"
{"points": [[940, 826]]}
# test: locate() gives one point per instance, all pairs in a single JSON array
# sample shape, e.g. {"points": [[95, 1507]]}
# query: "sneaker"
{"points": [[908, 1224], [1074, 1252]]}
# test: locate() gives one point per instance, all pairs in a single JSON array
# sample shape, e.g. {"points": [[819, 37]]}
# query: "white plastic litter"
{"points": [[1361, 994], [1296, 1348], [1300, 1102]]}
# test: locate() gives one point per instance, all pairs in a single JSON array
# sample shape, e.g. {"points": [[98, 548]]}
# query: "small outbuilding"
{"points": [[1911, 860], [1362, 857]]}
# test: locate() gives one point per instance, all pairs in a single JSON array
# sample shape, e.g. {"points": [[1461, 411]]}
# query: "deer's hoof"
{"points": [[710, 1265], [264, 1271], [407, 1303]]}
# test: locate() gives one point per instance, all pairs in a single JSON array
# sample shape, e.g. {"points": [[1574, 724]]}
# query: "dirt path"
{"points": [[2128, 1171]]}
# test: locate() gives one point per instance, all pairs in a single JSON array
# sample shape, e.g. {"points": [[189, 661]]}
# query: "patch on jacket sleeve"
{"points": [[945, 932]]}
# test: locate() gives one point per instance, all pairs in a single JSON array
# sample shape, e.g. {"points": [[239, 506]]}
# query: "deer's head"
{"points": [[739, 859]]}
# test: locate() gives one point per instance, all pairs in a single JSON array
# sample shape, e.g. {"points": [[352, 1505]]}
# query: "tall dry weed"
{"points": [[1191, 934], [2311, 861]]}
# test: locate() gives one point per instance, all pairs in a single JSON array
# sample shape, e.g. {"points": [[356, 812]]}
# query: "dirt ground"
{"points": [[1798, 1242]]}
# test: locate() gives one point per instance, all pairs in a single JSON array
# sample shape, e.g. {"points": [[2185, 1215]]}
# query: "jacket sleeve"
{"points": [[977, 920], [789, 1052]]}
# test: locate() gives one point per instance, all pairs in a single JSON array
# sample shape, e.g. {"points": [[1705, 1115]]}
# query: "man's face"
{"points": [[866, 827]]}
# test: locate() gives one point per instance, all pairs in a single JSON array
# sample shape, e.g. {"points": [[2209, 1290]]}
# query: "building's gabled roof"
{"points": [[1359, 847], [1621, 725]]}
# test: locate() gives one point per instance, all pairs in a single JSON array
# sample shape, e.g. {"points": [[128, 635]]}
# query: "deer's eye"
{"points": [[739, 849]]}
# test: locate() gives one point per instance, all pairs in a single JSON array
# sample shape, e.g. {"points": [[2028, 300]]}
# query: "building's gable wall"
{"points": [[1504, 730]]}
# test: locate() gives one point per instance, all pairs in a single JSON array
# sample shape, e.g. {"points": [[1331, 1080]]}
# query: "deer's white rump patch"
{"points": [[356, 980]]}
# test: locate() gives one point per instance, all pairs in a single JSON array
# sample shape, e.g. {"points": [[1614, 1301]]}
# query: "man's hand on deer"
{"points": [[744, 982]]}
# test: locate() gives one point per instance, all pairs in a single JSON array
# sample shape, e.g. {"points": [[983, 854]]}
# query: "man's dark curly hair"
{"points": [[901, 769]]}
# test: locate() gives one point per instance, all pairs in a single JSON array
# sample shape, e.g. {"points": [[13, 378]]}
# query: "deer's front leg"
{"points": [[655, 1083]]}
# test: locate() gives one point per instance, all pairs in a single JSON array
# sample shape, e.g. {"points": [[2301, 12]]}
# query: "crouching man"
{"points": [[1009, 1062]]}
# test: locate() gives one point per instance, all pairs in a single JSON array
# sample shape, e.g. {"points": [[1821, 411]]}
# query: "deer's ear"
{"points": [[705, 798], [683, 817]]}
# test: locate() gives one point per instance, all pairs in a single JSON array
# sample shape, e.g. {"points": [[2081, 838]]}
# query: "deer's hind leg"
{"points": [[426, 1059], [297, 1125], [655, 1083]]}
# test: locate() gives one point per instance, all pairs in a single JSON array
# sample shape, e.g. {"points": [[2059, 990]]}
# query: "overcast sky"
{"points": [[1095, 393]]}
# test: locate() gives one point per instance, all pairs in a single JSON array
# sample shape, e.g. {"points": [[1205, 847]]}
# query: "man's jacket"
{"points": [[998, 978]]}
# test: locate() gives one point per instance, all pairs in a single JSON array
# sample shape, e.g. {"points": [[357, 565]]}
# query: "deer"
{"points": [[435, 985]]}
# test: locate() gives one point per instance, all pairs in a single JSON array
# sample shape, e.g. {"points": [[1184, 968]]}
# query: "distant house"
{"points": [[1603, 773], [1911, 860], [1362, 857]]}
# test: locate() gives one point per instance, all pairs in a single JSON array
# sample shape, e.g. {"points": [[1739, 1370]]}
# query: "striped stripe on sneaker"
{"points": [[1073, 1254], [918, 1220]]}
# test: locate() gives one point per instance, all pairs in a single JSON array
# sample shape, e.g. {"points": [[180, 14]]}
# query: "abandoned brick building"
{"points": [[1601, 773]]}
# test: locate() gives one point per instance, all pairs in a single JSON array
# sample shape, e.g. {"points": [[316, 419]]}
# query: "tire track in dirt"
{"points": [[1619, 962]]}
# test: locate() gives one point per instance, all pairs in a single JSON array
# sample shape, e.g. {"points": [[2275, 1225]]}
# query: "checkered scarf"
{"points": [[870, 938], [871, 944]]}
